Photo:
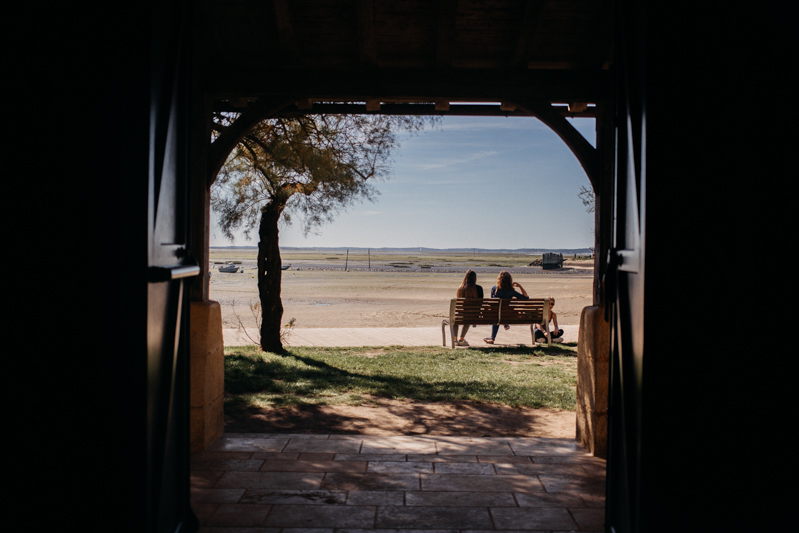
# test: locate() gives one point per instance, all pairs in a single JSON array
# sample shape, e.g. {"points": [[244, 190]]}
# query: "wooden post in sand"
{"points": [[347, 260], [369, 255]]}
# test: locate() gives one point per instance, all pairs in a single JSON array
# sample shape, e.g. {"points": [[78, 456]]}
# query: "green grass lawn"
{"points": [[530, 377]]}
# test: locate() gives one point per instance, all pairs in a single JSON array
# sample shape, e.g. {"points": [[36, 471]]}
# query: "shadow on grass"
{"points": [[319, 376], [566, 349]]}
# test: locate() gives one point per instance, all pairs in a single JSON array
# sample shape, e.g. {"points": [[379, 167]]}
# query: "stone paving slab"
{"points": [[460, 499], [550, 499], [236, 514], [242, 465], [270, 480], [569, 483], [239, 444], [475, 448], [280, 436], [427, 458], [589, 518], [295, 497], [323, 446], [478, 483], [398, 531], [321, 516], [557, 447], [399, 445], [394, 467], [317, 457], [533, 518], [537, 469], [376, 497], [383, 457], [504, 459], [206, 456], [431, 491], [371, 482], [465, 468], [314, 466], [432, 517], [274, 456], [216, 495], [204, 479]]}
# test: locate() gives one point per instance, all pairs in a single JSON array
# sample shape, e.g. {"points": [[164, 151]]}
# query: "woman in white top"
{"points": [[557, 334]]}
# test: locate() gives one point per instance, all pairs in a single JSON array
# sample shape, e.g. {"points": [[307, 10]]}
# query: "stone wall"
{"points": [[207, 371], [593, 358]]}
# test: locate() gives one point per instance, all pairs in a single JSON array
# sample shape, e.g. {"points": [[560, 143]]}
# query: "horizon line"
{"points": [[417, 248]]}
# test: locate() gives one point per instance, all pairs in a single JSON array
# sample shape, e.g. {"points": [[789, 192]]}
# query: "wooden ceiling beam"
{"points": [[289, 54], [440, 105], [429, 109], [453, 85], [367, 41], [585, 153], [528, 27], [600, 53], [445, 43]]}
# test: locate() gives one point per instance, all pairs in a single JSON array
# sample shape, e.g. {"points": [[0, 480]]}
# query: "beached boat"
{"points": [[285, 267], [231, 268]]}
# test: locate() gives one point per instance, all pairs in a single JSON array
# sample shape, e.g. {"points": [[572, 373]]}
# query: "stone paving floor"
{"points": [[281, 483]]}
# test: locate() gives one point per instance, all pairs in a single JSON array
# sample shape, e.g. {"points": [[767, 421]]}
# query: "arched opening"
{"points": [[466, 448], [511, 184], [583, 150]]}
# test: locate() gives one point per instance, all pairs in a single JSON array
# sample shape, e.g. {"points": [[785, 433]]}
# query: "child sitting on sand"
{"points": [[557, 334]]}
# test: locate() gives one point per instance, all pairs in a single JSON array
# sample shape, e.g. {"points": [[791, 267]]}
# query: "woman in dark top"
{"points": [[468, 289], [504, 289]]}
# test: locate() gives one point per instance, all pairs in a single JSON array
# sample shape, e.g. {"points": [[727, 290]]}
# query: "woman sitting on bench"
{"points": [[468, 289], [504, 289]]}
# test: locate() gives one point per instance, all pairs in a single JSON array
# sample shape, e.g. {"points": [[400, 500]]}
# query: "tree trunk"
{"points": [[269, 277]]}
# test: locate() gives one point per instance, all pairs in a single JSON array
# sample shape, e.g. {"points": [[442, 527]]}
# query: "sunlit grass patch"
{"points": [[530, 377]]}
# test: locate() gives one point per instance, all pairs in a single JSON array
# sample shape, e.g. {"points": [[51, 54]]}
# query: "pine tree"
{"points": [[311, 167]]}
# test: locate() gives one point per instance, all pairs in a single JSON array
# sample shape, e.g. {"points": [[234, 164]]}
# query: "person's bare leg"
{"points": [[464, 329]]}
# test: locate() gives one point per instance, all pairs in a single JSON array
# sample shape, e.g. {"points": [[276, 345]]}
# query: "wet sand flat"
{"points": [[362, 299]]}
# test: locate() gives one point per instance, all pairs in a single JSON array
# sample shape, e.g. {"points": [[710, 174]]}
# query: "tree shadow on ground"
{"points": [[405, 417], [565, 349]]}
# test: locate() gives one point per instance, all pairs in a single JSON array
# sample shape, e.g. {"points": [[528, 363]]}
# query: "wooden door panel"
{"points": [[625, 284], [170, 269]]}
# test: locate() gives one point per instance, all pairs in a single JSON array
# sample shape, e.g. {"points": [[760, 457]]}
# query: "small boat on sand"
{"points": [[285, 267], [230, 268]]}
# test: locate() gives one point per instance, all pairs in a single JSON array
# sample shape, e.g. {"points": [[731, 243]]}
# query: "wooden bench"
{"points": [[491, 311]]}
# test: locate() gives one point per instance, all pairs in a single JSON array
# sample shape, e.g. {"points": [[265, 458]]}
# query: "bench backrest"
{"points": [[498, 311]]}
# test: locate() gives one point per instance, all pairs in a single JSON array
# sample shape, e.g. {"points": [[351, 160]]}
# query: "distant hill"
{"points": [[564, 251]]}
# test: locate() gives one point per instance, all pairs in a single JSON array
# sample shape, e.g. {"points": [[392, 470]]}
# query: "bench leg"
{"points": [[532, 333], [549, 337]]}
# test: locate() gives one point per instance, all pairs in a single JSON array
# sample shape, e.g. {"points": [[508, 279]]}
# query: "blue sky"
{"points": [[473, 182]]}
